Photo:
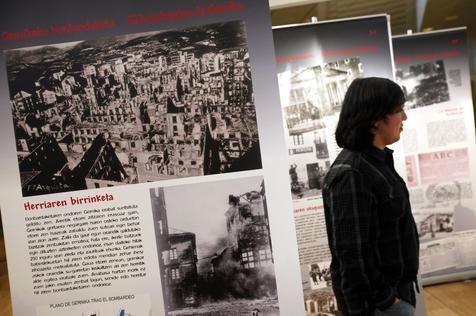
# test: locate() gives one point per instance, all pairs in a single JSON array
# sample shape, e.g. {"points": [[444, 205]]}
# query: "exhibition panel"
{"points": [[439, 145], [316, 64], [165, 158], [143, 171]]}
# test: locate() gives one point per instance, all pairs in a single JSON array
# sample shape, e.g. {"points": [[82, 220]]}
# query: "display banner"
{"points": [[439, 146], [143, 169], [316, 64]]}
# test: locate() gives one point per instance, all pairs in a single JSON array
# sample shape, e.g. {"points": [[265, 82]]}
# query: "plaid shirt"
{"points": [[371, 231]]}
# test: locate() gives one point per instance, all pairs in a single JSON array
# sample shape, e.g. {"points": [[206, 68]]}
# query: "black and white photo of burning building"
{"points": [[424, 84], [133, 108], [215, 250]]}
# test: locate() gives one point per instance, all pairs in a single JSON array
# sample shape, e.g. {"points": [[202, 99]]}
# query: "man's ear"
{"points": [[375, 126]]}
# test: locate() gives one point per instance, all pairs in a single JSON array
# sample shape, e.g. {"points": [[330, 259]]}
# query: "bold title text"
{"points": [[231, 6], [331, 53], [72, 201], [131, 19], [58, 30], [440, 55]]}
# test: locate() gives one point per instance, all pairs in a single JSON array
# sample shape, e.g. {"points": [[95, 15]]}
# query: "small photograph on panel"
{"points": [[215, 249], [320, 144], [434, 224], [417, 197], [424, 84], [133, 108], [448, 192], [319, 298], [320, 302], [412, 170], [315, 92], [320, 275], [307, 178]]}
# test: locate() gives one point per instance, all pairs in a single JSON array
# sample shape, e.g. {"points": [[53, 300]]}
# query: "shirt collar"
{"points": [[380, 155]]}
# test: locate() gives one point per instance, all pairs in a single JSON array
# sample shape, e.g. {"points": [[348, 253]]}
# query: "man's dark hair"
{"points": [[366, 101]]}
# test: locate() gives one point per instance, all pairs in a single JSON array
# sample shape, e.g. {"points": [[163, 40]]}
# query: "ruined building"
{"points": [[45, 169], [248, 229], [41, 171], [182, 270], [244, 268], [177, 261], [99, 166]]}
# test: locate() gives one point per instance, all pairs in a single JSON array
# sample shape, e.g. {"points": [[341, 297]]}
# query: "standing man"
{"points": [[371, 231]]}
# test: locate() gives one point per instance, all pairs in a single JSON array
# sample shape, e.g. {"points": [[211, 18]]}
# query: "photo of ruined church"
{"points": [[133, 108], [316, 92], [215, 250]]}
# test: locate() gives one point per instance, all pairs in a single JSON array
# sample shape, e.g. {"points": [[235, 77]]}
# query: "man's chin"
{"points": [[396, 139]]}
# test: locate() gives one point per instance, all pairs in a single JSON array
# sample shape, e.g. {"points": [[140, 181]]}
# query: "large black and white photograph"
{"points": [[133, 108], [215, 250], [424, 84], [316, 92]]}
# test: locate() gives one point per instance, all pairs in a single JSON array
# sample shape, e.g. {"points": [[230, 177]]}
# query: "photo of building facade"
{"points": [[320, 302], [316, 92]]}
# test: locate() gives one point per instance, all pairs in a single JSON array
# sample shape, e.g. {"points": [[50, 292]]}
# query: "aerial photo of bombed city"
{"points": [[133, 108]]}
